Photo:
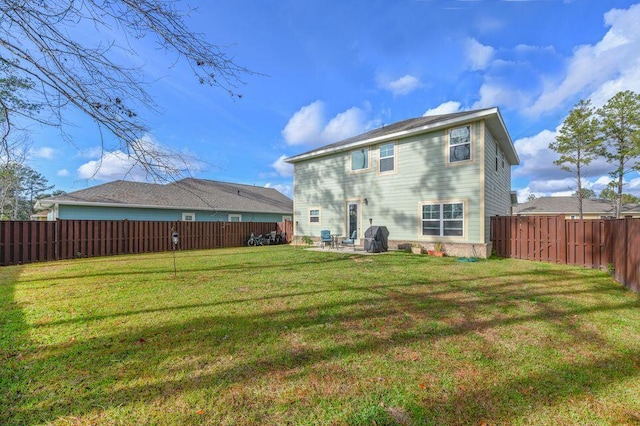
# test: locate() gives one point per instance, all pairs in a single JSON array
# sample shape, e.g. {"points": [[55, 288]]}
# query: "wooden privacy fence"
{"points": [[28, 242], [592, 243]]}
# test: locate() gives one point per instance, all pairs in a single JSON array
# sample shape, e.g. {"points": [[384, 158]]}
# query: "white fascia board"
{"points": [[397, 135]]}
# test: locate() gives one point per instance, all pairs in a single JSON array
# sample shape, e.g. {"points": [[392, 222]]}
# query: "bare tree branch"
{"points": [[37, 45]]}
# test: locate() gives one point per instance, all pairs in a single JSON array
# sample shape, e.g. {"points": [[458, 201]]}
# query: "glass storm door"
{"points": [[353, 208]]}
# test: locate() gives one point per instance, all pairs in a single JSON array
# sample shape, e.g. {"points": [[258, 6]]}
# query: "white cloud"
{"points": [[603, 181], [599, 70], [478, 55], [523, 194], [308, 125], [113, 165], [63, 172], [538, 80], [44, 152], [633, 187], [283, 168], [529, 147], [282, 188], [402, 86], [494, 92], [444, 108], [554, 185], [345, 124]]}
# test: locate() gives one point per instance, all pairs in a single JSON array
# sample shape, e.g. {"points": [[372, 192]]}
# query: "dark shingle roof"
{"points": [[415, 124], [198, 194], [409, 124], [569, 205]]}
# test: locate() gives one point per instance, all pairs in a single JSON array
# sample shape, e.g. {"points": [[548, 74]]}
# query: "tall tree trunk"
{"points": [[579, 191], [16, 204], [619, 197]]}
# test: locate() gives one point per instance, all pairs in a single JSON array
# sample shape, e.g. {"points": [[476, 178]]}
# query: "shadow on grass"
{"points": [[14, 341], [118, 360], [153, 362], [501, 291], [155, 265]]}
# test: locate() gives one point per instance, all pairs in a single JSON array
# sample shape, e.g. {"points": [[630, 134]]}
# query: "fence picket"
{"points": [[591, 243], [26, 241]]}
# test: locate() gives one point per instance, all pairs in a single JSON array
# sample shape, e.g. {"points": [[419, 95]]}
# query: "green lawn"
{"points": [[281, 335]]}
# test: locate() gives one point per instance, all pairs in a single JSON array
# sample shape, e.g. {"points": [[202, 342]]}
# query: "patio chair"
{"points": [[351, 241], [325, 238]]}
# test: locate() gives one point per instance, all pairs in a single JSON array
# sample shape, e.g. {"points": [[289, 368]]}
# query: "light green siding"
{"points": [[122, 213], [497, 183], [422, 175]]}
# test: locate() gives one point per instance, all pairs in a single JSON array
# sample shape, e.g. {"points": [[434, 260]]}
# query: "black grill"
{"points": [[376, 239]]}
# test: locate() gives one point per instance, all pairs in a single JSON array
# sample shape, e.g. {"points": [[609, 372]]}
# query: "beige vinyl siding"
{"points": [[422, 175], [497, 184]]}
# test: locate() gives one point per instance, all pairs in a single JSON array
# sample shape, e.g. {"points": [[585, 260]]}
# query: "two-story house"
{"points": [[428, 179]]}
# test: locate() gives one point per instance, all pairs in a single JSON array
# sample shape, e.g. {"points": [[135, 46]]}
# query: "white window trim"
{"points": [[395, 158], [231, 215], [319, 216], [465, 211], [185, 214], [350, 160], [471, 147]]}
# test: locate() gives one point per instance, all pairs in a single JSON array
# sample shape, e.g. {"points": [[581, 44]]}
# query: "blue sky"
{"points": [[333, 69]]}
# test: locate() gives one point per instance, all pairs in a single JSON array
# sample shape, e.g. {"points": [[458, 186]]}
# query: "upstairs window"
{"points": [[460, 144], [360, 159], [188, 217], [443, 220], [387, 158], [235, 217]]}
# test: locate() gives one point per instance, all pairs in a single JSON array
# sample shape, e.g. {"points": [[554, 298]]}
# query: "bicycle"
{"points": [[255, 241]]}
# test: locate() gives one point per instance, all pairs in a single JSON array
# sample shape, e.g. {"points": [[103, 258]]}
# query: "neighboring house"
{"points": [[186, 200], [568, 206], [428, 179], [39, 216]]}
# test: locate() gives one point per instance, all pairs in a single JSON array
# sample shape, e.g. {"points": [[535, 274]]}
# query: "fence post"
{"points": [[56, 240], [624, 276], [561, 226]]}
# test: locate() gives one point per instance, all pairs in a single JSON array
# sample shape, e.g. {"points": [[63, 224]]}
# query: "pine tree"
{"points": [[577, 143], [620, 129]]}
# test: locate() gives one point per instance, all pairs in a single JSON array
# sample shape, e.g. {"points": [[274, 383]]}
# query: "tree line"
{"points": [[611, 132], [20, 187]]}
